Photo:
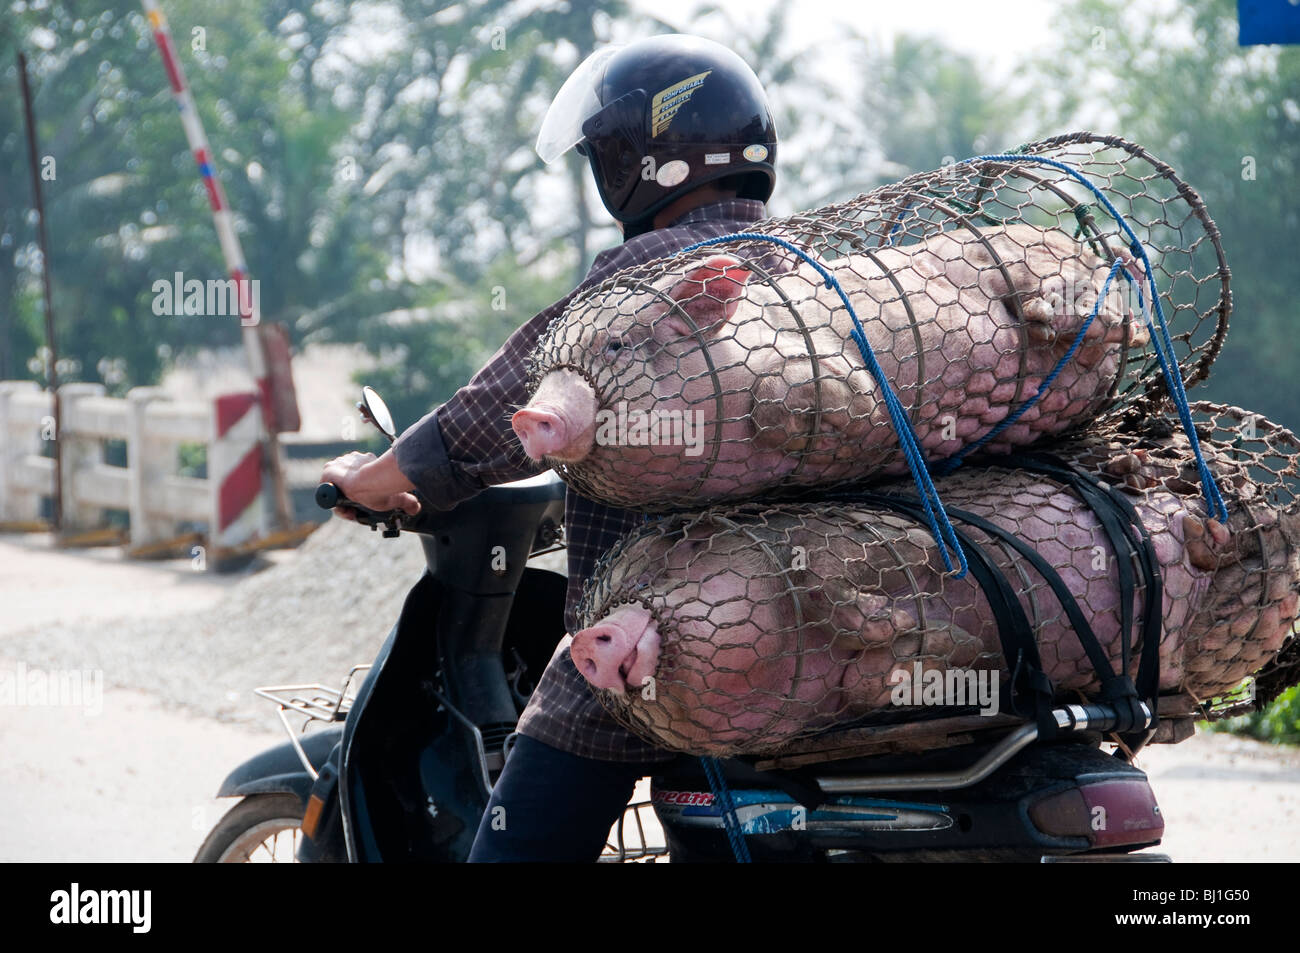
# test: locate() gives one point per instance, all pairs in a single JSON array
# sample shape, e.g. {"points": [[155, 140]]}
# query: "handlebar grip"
{"points": [[328, 496]]}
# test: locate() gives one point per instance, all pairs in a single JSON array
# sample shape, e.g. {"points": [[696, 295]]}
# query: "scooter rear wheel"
{"points": [[253, 832]]}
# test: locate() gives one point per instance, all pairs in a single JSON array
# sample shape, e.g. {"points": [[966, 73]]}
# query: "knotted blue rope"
{"points": [[1160, 339], [1213, 498], [940, 527], [947, 466], [722, 794]]}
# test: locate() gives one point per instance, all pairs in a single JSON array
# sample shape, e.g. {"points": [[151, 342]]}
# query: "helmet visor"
{"points": [[576, 102]]}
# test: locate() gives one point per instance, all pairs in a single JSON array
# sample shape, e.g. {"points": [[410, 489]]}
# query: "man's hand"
{"points": [[373, 482]]}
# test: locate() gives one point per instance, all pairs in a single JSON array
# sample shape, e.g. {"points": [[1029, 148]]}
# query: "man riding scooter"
{"points": [[682, 146]]}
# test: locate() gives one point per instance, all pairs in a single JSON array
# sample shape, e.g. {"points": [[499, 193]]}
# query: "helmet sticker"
{"points": [[666, 102], [672, 173], [717, 158], [755, 153]]}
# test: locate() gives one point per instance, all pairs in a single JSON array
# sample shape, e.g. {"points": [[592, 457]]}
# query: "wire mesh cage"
{"points": [[1002, 300], [740, 629]]}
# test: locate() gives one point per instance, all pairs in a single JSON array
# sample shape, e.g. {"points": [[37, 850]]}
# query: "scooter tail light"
{"points": [[1123, 812], [1111, 813], [1061, 815]]}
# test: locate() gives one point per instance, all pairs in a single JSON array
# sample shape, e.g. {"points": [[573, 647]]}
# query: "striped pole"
{"points": [[235, 470], [232, 252]]}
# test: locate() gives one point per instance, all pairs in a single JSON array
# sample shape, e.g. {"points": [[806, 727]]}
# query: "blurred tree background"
{"points": [[378, 156]]}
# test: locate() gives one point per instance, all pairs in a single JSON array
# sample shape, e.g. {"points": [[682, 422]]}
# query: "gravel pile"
{"points": [[308, 618]]}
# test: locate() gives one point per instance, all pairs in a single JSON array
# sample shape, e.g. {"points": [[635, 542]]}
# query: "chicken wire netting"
{"points": [[760, 623], [732, 371]]}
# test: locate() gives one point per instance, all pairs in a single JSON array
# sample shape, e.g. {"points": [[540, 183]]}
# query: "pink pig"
{"points": [[737, 630], [707, 380]]}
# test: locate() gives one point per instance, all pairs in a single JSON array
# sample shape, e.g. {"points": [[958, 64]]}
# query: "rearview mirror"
{"points": [[374, 409]]}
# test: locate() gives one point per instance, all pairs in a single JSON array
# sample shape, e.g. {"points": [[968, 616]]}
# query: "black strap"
{"points": [[1031, 690], [1123, 526], [1083, 629]]}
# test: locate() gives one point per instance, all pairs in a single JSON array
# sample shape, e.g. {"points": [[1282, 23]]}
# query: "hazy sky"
{"points": [[998, 32]]}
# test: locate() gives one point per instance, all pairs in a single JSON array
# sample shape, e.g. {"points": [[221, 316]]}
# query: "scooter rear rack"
{"points": [[315, 702], [624, 849]]}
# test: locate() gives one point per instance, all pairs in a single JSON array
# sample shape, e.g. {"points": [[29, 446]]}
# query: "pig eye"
{"points": [[614, 348]]}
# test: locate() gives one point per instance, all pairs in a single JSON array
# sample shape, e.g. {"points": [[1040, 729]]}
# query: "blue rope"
{"points": [[898, 222], [1160, 339], [940, 528], [713, 771], [936, 516], [947, 466], [1213, 498]]}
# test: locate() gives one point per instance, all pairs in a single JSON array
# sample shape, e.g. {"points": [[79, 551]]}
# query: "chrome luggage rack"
{"points": [[624, 848], [315, 702]]}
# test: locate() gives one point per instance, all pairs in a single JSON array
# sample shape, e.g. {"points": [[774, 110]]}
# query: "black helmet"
{"points": [[659, 118]]}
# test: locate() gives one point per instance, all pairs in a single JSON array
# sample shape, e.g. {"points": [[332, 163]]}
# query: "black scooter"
{"points": [[400, 766]]}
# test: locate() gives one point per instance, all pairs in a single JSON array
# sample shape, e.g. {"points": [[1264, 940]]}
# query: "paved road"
{"points": [[134, 781]]}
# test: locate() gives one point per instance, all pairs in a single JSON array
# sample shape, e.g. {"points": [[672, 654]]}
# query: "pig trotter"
{"points": [[1205, 539], [1040, 319]]}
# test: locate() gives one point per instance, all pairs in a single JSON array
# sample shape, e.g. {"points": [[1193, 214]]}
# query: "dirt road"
{"points": [[134, 780]]}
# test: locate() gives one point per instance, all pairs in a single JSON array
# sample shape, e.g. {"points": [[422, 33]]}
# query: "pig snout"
{"points": [[619, 651], [541, 431], [560, 420]]}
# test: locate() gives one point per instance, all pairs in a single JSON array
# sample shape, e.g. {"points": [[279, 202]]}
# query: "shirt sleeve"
{"points": [[467, 444]]}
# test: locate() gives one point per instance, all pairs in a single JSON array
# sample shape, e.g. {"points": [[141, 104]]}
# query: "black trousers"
{"points": [[549, 805]]}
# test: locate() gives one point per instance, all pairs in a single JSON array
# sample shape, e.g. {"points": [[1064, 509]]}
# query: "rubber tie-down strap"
{"points": [[1128, 537], [1031, 690], [1117, 512]]}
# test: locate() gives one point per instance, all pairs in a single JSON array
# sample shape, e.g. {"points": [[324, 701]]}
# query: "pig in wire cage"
{"points": [[742, 629], [977, 307]]}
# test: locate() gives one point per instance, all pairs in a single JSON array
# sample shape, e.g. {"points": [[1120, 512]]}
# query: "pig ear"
{"points": [[708, 293]]}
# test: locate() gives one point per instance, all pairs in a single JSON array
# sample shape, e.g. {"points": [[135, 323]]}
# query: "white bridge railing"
{"points": [[149, 488]]}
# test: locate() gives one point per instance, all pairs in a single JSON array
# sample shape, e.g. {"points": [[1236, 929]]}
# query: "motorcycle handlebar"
{"points": [[329, 496]]}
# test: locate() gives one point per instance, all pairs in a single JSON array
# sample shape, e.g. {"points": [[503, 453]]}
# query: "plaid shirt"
{"points": [[467, 444]]}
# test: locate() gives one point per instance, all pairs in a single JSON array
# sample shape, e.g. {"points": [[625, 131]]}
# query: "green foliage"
{"points": [[350, 171], [192, 460], [933, 105], [1228, 119], [429, 351], [382, 187], [1278, 722], [125, 205]]}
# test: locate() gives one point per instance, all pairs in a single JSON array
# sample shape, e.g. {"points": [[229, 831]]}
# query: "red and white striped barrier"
{"points": [[164, 504], [270, 373], [235, 470], [231, 250]]}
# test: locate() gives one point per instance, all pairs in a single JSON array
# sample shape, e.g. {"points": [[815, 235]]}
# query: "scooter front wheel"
{"points": [[260, 829]]}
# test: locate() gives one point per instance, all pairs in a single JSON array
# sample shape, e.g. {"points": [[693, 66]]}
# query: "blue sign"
{"points": [[1268, 21]]}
